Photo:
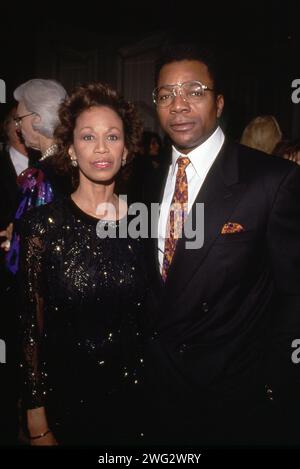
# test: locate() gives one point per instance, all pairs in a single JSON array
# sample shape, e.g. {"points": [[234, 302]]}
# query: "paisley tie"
{"points": [[177, 214]]}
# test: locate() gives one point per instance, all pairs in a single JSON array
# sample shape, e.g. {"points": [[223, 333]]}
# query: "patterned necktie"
{"points": [[177, 214]]}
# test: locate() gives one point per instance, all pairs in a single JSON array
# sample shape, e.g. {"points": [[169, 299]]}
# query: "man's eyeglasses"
{"points": [[191, 91], [18, 119]]}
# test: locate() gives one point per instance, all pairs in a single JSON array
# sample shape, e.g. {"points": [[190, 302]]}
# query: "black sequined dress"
{"points": [[81, 315]]}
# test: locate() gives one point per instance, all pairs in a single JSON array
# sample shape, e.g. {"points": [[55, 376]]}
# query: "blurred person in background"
{"points": [[13, 160], [36, 119], [262, 133]]}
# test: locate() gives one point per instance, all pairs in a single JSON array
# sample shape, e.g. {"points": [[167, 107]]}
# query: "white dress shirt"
{"points": [[19, 160], [201, 160]]}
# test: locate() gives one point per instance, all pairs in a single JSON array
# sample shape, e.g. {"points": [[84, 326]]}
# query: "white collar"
{"points": [[17, 155], [204, 155]]}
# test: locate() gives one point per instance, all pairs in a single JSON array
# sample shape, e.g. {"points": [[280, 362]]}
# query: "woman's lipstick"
{"points": [[101, 164]]}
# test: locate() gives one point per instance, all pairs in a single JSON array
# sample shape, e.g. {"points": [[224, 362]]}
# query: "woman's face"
{"points": [[30, 136], [99, 144]]}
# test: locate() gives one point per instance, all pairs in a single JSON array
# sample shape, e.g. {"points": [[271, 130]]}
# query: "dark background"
{"points": [[258, 43]]}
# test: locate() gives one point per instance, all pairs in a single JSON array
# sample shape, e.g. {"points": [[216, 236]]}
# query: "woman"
{"points": [[83, 293], [36, 119], [262, 133]]}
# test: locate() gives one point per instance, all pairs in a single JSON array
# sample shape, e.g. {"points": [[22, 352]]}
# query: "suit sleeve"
{"points": [[283, 241]]}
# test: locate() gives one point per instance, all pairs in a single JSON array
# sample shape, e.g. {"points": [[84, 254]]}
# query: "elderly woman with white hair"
{"points": [[36, 119]]}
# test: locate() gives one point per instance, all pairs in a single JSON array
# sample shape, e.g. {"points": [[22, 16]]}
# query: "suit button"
{"points": [[205, 308]]}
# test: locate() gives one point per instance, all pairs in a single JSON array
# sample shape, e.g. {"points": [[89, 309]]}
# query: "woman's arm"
{"points": [[38, 428], [33, 362]]}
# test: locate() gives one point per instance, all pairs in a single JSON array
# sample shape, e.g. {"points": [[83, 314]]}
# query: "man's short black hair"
{"points": [[175, 52]]}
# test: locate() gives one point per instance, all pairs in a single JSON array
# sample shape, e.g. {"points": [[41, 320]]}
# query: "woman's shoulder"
{"points": [[44, 218]]}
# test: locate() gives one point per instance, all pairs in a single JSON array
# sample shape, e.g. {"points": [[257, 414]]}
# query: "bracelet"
{"points": [[40, 436]]}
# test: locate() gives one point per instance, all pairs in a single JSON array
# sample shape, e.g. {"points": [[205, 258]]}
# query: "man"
{"points": [[223, 315], [13, 160]]}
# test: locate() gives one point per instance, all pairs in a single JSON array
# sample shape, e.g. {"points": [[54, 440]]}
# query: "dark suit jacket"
{"points": [[8, 205], [8, 322], [8, 189], [219, 331]]}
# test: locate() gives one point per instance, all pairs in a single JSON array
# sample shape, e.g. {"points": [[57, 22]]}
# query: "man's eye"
{"points": [[195, 93], [88, 137], [164, 97]]}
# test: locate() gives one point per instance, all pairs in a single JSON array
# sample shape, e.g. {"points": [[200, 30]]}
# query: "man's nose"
{"points": [[179, 104]]}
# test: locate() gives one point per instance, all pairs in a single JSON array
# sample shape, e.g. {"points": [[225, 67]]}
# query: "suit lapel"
{"points": [[220, 193], [10, 166]]}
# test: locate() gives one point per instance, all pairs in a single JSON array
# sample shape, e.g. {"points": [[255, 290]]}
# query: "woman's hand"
{"points": [[47, 440], [7, 233], [38, 425]]}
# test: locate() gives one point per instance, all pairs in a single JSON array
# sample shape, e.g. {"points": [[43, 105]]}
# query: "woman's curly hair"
{"points": [[84, 97]]}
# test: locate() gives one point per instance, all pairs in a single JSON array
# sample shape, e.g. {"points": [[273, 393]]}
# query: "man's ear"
{"points": [[220, 105]]}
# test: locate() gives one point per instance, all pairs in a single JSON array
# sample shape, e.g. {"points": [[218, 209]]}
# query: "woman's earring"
{"points": [[124, 161], [74, 162]]}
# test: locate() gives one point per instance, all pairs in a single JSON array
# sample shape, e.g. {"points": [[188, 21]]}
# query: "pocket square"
{"points": [[231, 227]]}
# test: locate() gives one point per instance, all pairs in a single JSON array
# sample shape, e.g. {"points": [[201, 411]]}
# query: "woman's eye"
{"points": [[87, 137], [113, 137]]}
